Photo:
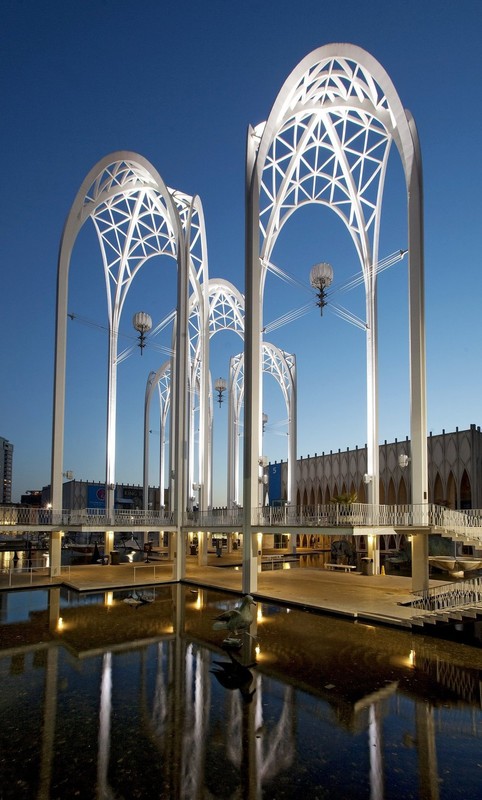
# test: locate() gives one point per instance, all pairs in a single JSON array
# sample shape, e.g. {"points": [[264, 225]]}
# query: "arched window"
{"points": [[402, 493], [438, 492], [382, 493], [465, 491], [451, 497], [391, 498]]}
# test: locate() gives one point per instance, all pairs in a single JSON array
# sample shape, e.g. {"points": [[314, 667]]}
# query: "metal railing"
{"points": [[450, 595], [24, 576], [466, 524], [424, 515], [141, 576], [215, 517], [11, 516]]}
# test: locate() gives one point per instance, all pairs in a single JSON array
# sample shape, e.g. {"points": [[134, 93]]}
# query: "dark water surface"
{"points": [[102, 698]]}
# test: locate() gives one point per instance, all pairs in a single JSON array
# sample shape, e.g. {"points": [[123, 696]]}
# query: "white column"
{"points": [[181, 404], [418, 399], [252, 369]]}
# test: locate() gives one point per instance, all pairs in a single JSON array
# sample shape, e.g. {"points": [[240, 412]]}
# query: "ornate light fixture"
{"points": [[220, 386], [321, 277], [265, 421], [143, 324], [403, 460]]}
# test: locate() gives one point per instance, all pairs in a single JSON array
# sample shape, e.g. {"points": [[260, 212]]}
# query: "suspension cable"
{"points": [[340, 311]]}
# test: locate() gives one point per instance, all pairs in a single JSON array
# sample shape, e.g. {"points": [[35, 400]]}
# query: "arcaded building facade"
{"points": [[454, 473]]}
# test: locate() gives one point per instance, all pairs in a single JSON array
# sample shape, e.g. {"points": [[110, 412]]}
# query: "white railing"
{"points": [[16, 517], [24, 576], [450, 595], [215, 517], [466, 524], [126, 518], [150, 572]]}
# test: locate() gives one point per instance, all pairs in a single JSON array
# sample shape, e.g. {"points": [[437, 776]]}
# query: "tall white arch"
{"points": [[135, 217], [327, 141], [282, 366], [161, 379], [224, 306], [226, 312]]}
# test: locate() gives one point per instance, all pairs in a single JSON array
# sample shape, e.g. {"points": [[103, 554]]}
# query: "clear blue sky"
{"points": [[179, 83]]}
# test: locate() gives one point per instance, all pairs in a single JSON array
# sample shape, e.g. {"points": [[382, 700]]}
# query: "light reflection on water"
{"points": [[138, 699]]}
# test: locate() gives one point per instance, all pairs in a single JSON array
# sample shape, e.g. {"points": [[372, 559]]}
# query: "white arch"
{"points": [[135, 217], [226, 312], [282, 366], [327, 140]]}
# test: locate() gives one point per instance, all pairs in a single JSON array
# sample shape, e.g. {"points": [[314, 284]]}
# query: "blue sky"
{"points": [[179, 83]]}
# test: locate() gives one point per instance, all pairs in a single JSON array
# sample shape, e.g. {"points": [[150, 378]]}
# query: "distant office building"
{"points": [[454, 473], [89, 494], [6, 462], [33, 497]]}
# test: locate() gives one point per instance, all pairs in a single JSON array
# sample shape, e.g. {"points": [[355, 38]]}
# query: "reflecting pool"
{"points": [[131, 694]]}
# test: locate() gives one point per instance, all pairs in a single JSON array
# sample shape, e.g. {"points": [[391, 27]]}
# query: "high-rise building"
{"points": [[6, 459]]}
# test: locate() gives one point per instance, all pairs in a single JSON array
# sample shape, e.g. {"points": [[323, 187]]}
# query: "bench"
{"points": [[344, 567]]}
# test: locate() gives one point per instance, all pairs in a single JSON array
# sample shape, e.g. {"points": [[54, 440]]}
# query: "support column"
{"points": [[202, 552], [179, 555], [108, 542], [55, 553], [252, 369], [373, 552], [419, 561], [182, 405], [418, 398]]}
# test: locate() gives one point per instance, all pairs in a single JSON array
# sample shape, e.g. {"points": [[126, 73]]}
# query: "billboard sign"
{"points": [[96, 496]]}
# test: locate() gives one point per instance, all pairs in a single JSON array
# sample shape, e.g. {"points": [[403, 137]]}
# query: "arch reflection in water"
{"points": [[124, 701]]}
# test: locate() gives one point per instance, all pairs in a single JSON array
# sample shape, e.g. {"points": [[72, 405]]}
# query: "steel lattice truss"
{"points": [[226, 312], [331, 148], [276, 362], [282, 366], [132, 224], [226, 308]]}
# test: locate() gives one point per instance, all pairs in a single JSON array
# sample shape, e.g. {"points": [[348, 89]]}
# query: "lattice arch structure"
{"points": [[222, 308], [225, 312], [136, 217], [282, 366], [327, 141]]}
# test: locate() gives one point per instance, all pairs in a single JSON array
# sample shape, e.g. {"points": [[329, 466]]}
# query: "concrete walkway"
{"points": [[371, 598]]}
